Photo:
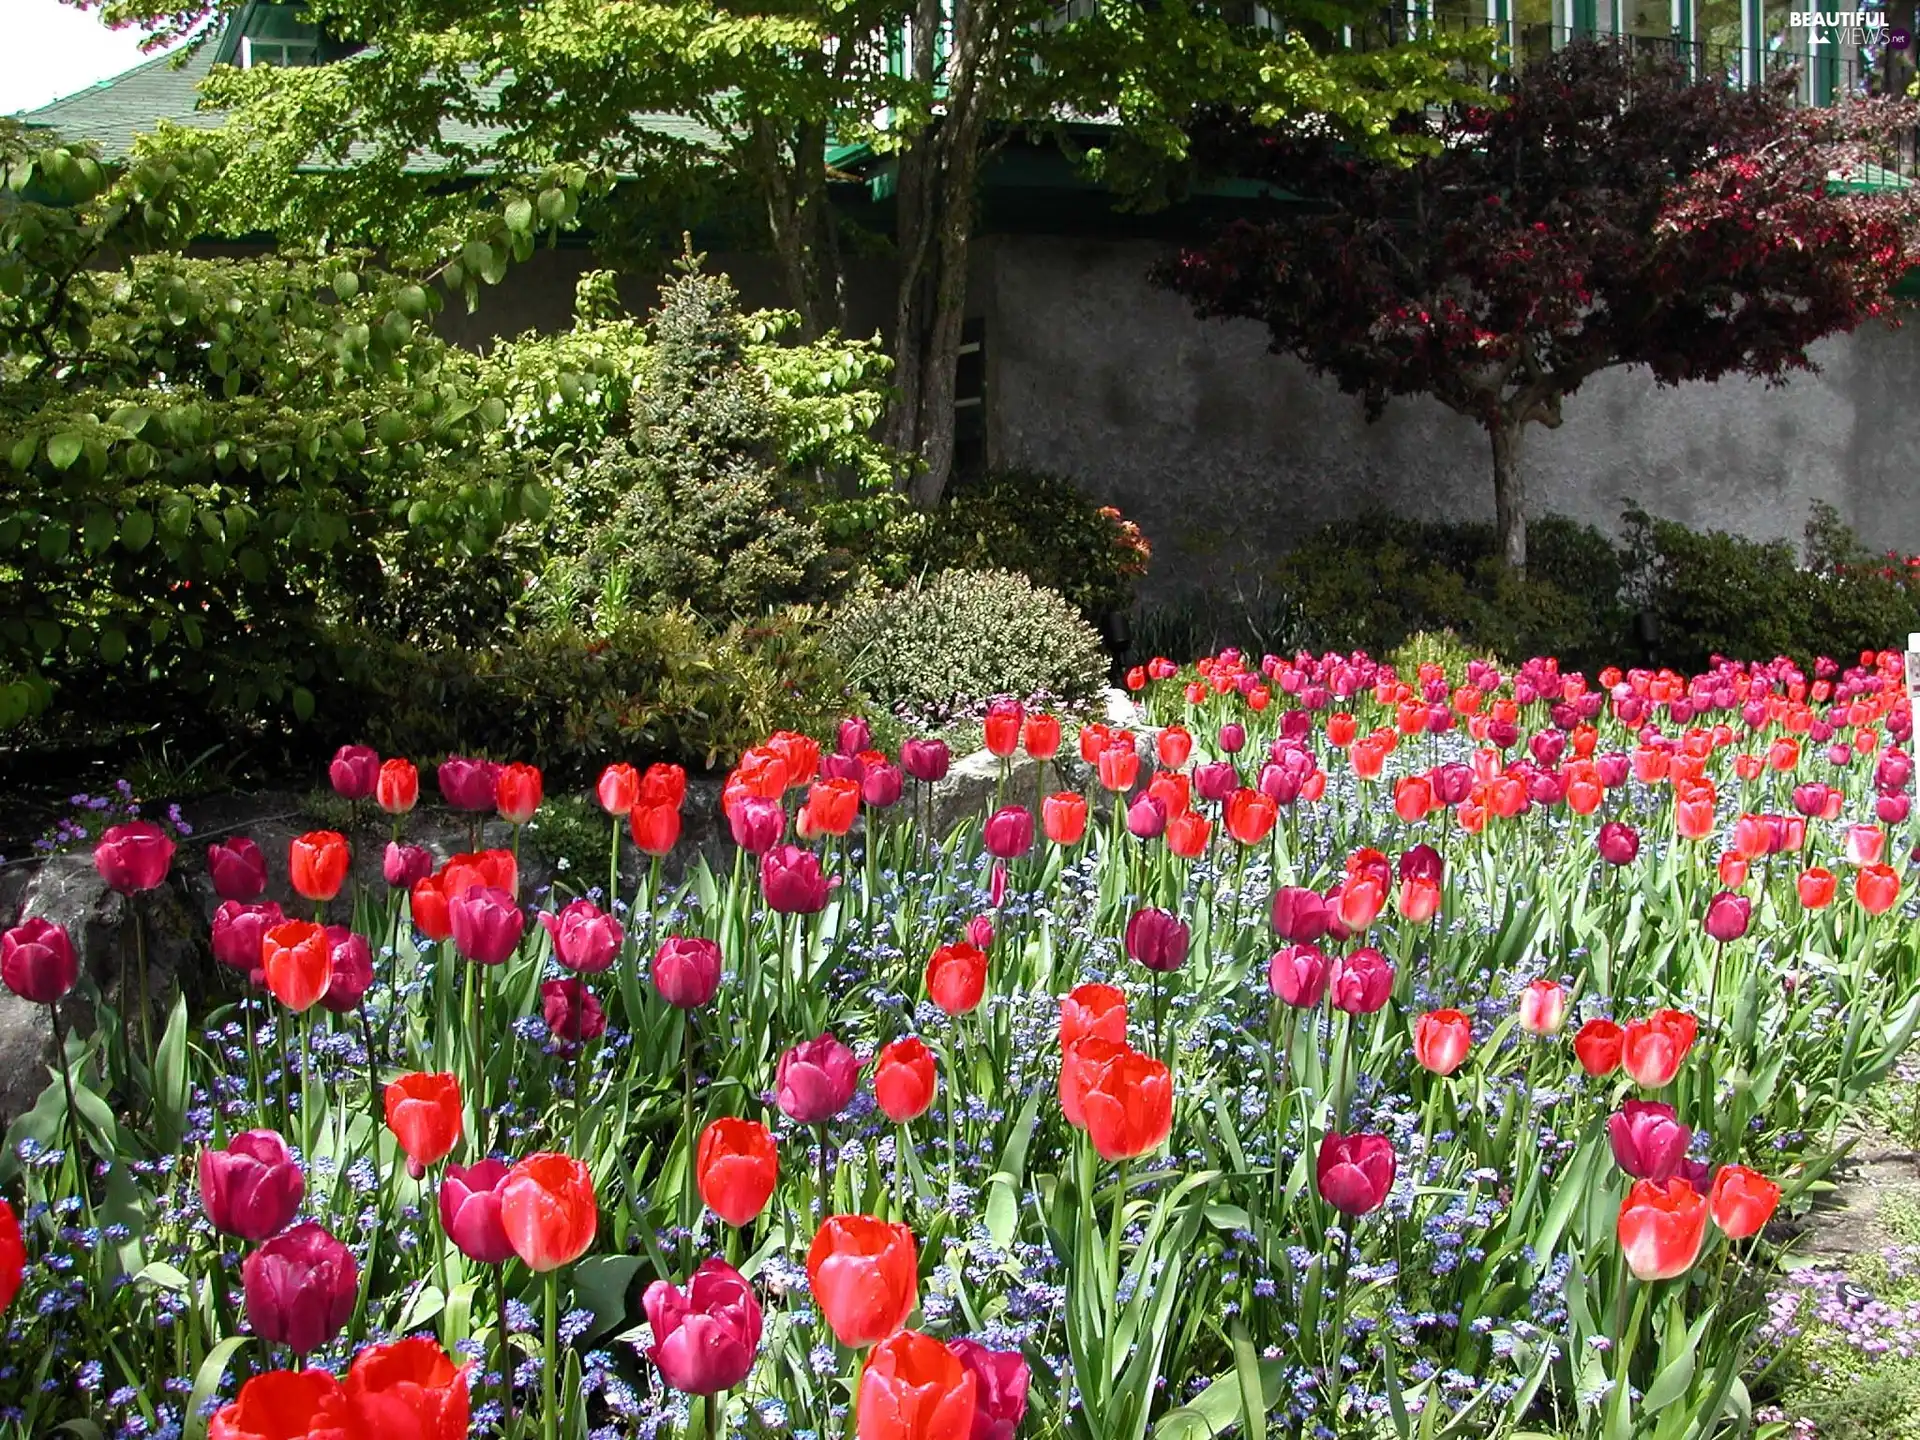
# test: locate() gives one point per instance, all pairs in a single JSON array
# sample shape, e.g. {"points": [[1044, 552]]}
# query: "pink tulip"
{"points": [[705, 1340], [238, 868], [816, 1080], [686, 971], [487, 925], [133, 857], [585, 938], [253, 1188], [470, 1211]]}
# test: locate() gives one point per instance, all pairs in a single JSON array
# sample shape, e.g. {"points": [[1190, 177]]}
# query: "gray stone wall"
{"points": [[1226, 454]]}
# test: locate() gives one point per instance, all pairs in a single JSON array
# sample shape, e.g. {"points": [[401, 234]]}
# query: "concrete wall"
{"points": [[1226, 454]]}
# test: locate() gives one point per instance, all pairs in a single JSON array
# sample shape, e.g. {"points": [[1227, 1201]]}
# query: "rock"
{"points": [[67, 890]]}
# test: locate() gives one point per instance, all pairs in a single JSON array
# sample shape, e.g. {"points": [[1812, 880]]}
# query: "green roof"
{"points": [[114, 111]]}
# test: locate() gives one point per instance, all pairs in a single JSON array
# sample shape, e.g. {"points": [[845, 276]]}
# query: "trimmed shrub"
{"points": [[968, 635]]}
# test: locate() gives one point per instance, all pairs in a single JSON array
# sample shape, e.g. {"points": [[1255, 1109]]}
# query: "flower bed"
{"points": [[1394, 1055]]}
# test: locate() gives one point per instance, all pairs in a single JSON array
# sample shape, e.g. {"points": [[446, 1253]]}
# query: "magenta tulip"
{"points": [[1728, 916], [133, 857], [470, 1211], [585, 938], [1299, 914], [756, 823], [405, 866], [686, 971], [1298, 975], [792, 881], [238, 868], [1361, 982], [1157, 939], [469, 784], [352, 975], [1618, 843], [253, 1188], [37, 961], [1008, 832], [355, 772], [816, 1080], [487, 925], [1000, 1380], [926, 760], [571, 1011], [705, 1340], [300, 1288], [1649, 1143], [1355, 1172], [238, 931]]}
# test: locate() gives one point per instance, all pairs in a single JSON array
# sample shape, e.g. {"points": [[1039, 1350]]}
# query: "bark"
{"points": [[935, 197], [1509, 493], [792, 176]]}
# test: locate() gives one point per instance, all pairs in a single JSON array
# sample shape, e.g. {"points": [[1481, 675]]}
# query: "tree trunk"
{"points": [[792, 176], [1509, 494], [935, 199]]}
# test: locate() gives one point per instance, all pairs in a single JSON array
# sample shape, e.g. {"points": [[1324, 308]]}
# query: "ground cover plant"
{"points": [[1344, 1053]]}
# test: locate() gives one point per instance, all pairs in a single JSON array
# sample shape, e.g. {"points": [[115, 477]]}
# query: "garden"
{"points": [[602, 887]]}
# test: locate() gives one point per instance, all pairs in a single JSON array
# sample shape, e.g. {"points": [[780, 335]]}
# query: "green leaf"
{"points": [[206, 1385], [113, 645], [160, 1273], [519, 216], [55, 537], [63, 449], [302, 703], [600, 1284], [346, 284], [170, 1089], [136, 530]]}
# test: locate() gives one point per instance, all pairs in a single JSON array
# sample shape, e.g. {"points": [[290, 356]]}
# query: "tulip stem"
{"points": [[140, 959], [478, 975], [613, 867], [306, 1108], [506, 1351], [820, 1132], [716, 1403], [689, 1193], [1113, 1250], [373, 1071], [549, 1409], [1623, 1378]]}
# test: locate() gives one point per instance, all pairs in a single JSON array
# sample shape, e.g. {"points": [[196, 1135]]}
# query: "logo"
{"points": [[1856, 28]]}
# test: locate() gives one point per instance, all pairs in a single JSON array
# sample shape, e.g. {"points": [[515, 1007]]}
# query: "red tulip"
{"points": [[427, 904], [1093, 1010], [1175, 746], [1441, 1040], [1418, 900], [705, 1340], [1742, 1201], [1876, 887], [655, 828], [816, 1080], [487, 924], [517, 793], [1648, 1142], [238, 869], [1081, 1064], [1653, 1049], [549, 1211], [349, 970], [914, 1388], [865, 1277], [298, 961], [1355, 1172], [1357, 903], [397, 790], [317, 864], [686, 971], [666, 783], [1815, 886], [1597, 1047], [1118, 765], [792, 881], [133, 857], [284, 1405], [1543, 1008], [423, 1112], [618, 790], [956, 978], [1001, 727], [831, 808], [1661, 1227], [408, 1390], [903, 1080], [1865, 844], [1000, 1381], [1173, 791], [1157, 939], [1188, 833], [1043, 736], [469, 784], [1361, 982], [37, 962], [737, 1167], [300, 1288], [572, 1013], [1064, 817], [470, 1211], [585, 938], [1128, 1106], [253, 1188]]}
